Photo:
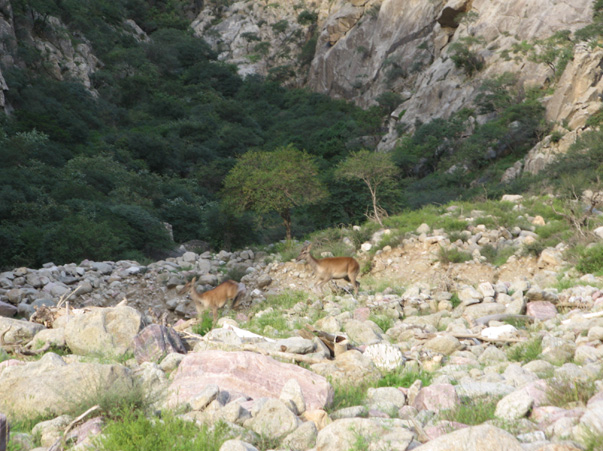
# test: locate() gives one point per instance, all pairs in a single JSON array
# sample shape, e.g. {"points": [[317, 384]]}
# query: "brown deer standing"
{"points": [[215, 298], [330, 268]]}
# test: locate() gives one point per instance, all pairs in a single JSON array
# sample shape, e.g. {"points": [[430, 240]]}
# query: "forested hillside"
{"points": [[94, 173], [98, 153]]}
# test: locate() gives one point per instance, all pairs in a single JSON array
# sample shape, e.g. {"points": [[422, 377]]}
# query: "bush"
{"points": [[591, 260]]}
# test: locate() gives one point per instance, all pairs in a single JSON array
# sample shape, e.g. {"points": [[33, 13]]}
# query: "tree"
{"points": [[280, 180], [372, 168]]}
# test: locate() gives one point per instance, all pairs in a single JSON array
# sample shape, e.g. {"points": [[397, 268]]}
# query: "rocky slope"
{"points": [[469, 336]]}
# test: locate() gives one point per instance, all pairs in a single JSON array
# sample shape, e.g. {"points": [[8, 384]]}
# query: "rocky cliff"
{"points": [[367, 48]]}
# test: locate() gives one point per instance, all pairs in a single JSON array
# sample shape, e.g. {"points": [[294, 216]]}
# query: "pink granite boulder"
{"points": [[245, 373]]}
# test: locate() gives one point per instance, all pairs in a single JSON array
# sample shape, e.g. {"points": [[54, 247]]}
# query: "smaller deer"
{"points": [[332, 268], [215, 298]]}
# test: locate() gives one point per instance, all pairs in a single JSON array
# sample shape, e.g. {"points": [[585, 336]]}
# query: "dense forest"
{"points": [[96, 173]]}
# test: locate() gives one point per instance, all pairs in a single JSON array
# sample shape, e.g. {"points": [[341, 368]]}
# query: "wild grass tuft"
{"points": [[288, 250], [570, 393], [405, 378], [472, 411], [133, 431], [453, 255], [348, 395], [525, 352], [384, 322]]}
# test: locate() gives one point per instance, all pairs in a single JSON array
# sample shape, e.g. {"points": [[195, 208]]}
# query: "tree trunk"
{"points": [[374, 198], [286, 215]]}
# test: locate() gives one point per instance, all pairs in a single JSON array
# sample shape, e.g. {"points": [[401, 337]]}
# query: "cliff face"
{"points": [[366, 48]]}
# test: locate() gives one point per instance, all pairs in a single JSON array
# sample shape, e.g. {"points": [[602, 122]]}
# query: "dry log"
{"points": [[490, 340], [502, 317]]}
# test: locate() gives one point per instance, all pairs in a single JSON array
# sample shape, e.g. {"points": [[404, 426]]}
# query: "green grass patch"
{"points": [[405, 378], [472, 411], [497, 256], [270, 317], [525, 352], [374, 285], [288, 250], [455, 300], [348, 395], [134, 431], [205, 325], [384, 322]]}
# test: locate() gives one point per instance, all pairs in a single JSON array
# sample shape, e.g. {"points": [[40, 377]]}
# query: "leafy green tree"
{"points": [[277, 181], [373, 168]]}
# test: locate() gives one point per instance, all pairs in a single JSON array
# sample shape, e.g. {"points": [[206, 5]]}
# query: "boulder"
{"points": [[514, 406], [436, 397], [274, 420], [14, 331], [253, 375], [350, 367], [362, 332], [105, 331], [482, 438], [154, 342], [7, 309], [443, 344], [51, 386], [541, 310], [304, 437], [341, 435]]}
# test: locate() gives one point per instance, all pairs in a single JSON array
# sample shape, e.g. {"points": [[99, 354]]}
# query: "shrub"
{"points": [[591, 260], [453, 255], [464, 57]]}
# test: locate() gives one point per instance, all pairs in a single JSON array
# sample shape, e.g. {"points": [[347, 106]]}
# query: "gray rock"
{"points": [[7, 310], [24, 392], [274, 420], [483, 389], [154, 342], [237, 445], [483, 438], [291, 394], [303, 438], [51, 430], [296, 345], [341, 435], [436, 397], [207, 395], [443, 344], [15, 331], [350, 412], [362, 332], [514, 406], [105, 331], [491, 355], [386, 399]]}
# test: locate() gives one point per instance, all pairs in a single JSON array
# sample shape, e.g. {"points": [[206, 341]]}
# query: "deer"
{"points": [[215, 298], [327, 269]]}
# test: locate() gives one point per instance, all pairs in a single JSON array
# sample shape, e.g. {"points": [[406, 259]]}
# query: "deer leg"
{"points": [[215, 313], [355, 284]]}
